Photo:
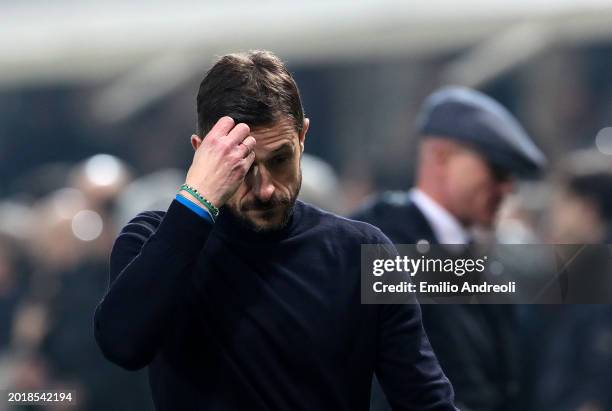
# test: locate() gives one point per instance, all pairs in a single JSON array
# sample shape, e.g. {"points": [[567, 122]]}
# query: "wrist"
{"points": [[199, 199], [191, 204], [191, 198], [209, 196]]}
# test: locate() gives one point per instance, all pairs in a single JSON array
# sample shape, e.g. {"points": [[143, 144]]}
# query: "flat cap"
{"points": [[477, 120]]}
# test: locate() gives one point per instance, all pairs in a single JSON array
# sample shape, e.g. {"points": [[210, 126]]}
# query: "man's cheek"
{"points": [[238, 197], [289, 179]]}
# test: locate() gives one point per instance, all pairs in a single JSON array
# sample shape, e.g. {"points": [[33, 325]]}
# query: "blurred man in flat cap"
{"points": [[471, 149]]}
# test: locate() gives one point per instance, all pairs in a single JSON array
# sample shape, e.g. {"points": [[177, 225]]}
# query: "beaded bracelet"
{"points": [[214, 211]]}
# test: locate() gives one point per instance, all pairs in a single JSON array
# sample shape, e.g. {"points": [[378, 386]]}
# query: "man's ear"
{"points": [[302, 135], [195, 141], [442, 150], [443, 154]]}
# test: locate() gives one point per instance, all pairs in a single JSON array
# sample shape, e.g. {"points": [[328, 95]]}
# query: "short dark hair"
{"points": [[253, 88]]}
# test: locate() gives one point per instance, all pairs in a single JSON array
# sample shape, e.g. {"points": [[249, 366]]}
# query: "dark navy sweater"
{"points": [[229, 319]]}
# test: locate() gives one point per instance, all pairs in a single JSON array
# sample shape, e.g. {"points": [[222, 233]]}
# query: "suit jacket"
{"points": [[475, 344]]}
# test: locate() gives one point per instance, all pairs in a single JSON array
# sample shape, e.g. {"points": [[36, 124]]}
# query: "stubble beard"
{"points": [[287, 211]]}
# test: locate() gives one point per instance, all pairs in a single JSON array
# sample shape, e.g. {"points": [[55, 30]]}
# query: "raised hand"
{"points": [[222, 161]]}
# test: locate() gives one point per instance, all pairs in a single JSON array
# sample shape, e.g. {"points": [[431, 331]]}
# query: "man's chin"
{"points": [[266, 221], [265, 227]]}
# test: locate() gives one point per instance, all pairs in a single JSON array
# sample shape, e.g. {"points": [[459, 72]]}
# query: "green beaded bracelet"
{"points": [[214, 211]]}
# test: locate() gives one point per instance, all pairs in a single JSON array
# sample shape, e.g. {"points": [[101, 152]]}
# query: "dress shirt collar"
{"points": [[446, 228]]}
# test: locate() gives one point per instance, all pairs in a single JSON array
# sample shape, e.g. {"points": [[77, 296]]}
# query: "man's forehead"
{"points": [[275, 136]]}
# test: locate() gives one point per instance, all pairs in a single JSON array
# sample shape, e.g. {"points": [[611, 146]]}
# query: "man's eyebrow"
{"points": [[283, 148]]}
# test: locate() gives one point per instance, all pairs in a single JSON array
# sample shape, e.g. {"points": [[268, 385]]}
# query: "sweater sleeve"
{"points": [[150, 266], [407, 368]]}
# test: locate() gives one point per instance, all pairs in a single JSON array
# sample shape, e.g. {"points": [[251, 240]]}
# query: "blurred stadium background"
{"points": [[97, 104]]}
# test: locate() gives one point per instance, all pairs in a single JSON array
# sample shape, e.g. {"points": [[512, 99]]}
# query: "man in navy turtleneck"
{"points": [[259, 307]]}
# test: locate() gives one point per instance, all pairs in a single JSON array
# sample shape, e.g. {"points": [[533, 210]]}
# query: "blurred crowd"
{"points": [[53, 271]]}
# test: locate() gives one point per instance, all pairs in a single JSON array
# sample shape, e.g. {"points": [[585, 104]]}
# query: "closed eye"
{"points": [[278, 160]]}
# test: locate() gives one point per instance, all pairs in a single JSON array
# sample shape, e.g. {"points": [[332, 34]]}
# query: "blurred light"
{"points": [[15, 219], [103, 169], [153, 191], [603, 141], [67, 201], [422, 246], [87, 225]]}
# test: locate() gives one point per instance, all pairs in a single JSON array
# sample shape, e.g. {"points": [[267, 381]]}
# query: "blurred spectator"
{"points": [[471, 150], [581, 212], [575, 351]]}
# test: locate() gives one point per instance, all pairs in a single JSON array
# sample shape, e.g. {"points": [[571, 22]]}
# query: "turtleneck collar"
{"points": [[230, 227]]}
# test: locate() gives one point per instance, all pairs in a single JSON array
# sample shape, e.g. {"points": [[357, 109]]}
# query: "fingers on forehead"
{"points": [[249, 142], [239, 133], [222, 126]]}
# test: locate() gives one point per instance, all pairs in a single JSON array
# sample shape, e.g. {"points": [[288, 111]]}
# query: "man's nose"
{"points": [[263, 185]]}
